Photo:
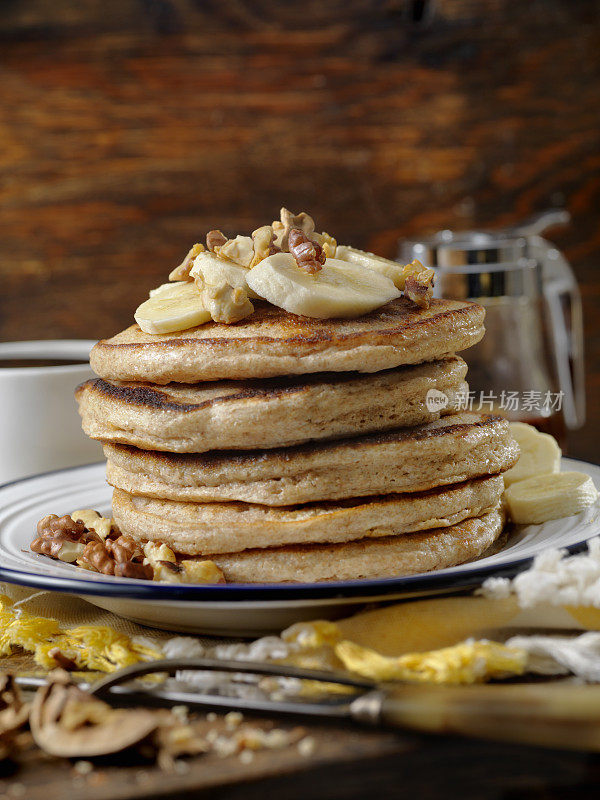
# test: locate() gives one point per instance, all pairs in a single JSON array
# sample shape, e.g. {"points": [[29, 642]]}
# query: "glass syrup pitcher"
{"points": [[529, 365]]}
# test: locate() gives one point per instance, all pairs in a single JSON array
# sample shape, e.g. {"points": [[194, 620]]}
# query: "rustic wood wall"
{"points": [[129, 127]]}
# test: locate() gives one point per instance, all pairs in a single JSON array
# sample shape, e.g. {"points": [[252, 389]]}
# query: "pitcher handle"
{"points": [[566, 322]]}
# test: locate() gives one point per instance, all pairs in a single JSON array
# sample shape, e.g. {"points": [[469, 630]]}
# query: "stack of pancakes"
{"points": [[292, 449]]}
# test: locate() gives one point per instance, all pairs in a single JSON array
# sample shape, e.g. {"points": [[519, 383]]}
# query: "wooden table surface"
{"points": [[128, 129], [348, 764]]}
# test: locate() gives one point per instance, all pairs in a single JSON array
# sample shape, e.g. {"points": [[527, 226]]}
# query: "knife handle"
{"points": [[559, 715]]}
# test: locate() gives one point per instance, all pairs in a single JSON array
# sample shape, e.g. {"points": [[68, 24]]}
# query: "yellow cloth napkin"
{"points": [[98, 640]]}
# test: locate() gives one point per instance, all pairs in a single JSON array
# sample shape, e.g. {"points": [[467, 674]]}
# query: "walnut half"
{"points": [[263, 240], [302, 222], [309, 255], [418, 283], [182, 272]]}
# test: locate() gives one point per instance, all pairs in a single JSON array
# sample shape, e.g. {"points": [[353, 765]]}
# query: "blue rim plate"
{"points": [[24, 501]]}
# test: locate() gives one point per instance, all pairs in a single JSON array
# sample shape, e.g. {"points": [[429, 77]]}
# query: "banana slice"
{"points": [[340, 289], [166, 288], [540, 454], [210, 270], [391, 269], [548, 497], [172, 307]]}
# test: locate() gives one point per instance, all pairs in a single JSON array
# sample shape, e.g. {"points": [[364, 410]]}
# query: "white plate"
{"points": [[238, 609]]}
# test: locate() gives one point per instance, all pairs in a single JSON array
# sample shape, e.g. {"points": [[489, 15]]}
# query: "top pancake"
{"points": [[271, 342]]}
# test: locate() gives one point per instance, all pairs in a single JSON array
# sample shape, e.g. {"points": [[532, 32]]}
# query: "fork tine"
{"points": [[172, 666]]}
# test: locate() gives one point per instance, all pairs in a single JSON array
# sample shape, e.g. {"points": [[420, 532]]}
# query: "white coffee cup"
{"points": [[40, 429]]}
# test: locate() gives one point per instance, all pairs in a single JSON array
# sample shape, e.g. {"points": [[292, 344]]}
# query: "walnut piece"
{"points": [[94, 521], [418, 283], [188, 571], [214, 239], [201, 572], [70, 723], [63, 661], [14, 713], [182, 272], [69, 552], [226, 303], [263, 241], [54, 533], [124, 549], [327, 242], [132, 569], [97, 557], [157, 551], [302, 222], [309, 255], [239, 250]]}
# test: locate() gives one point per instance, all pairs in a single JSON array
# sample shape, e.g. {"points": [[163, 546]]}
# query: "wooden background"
{"points": [[130, 127]]}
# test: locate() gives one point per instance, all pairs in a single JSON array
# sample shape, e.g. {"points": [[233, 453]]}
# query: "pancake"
{"points": [[277, 412], [387, 557], [271, 342], [200, 528], [454, 449]]}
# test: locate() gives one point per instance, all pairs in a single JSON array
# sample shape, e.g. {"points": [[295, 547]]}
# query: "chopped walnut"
{"points": [[131, 569], [214, 239], [239, 250], [167, 572], [309, 255], [14, 713], [124, 549], [202, 572], [69, 552], [263, 239], [97, 558], [67, 722], [188, 571], [157, 551], [226, 303], [94, 521], [55, 533], [182, 272], [302, 222], [327, 242], [418, 283], [63, 661]]}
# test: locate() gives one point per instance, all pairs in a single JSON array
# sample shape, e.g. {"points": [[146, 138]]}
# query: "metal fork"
{"points": [[553, 714]]}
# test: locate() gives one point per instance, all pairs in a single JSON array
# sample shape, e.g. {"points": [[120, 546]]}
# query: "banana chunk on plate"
{"points": [[547, 497], [339, 289], [540, 454], [172, 307]]}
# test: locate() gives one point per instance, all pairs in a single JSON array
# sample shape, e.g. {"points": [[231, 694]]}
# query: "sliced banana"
{"points": [[546, 497], [391, 269], [340, 289], [211, 270], [166, 288], [172, 307], [540, 454]]}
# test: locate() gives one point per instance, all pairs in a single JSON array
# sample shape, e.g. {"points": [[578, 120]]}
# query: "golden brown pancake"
{"points": [[388, 557], [454, 449], [204, 528], [267, 413], [271, 342]]}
